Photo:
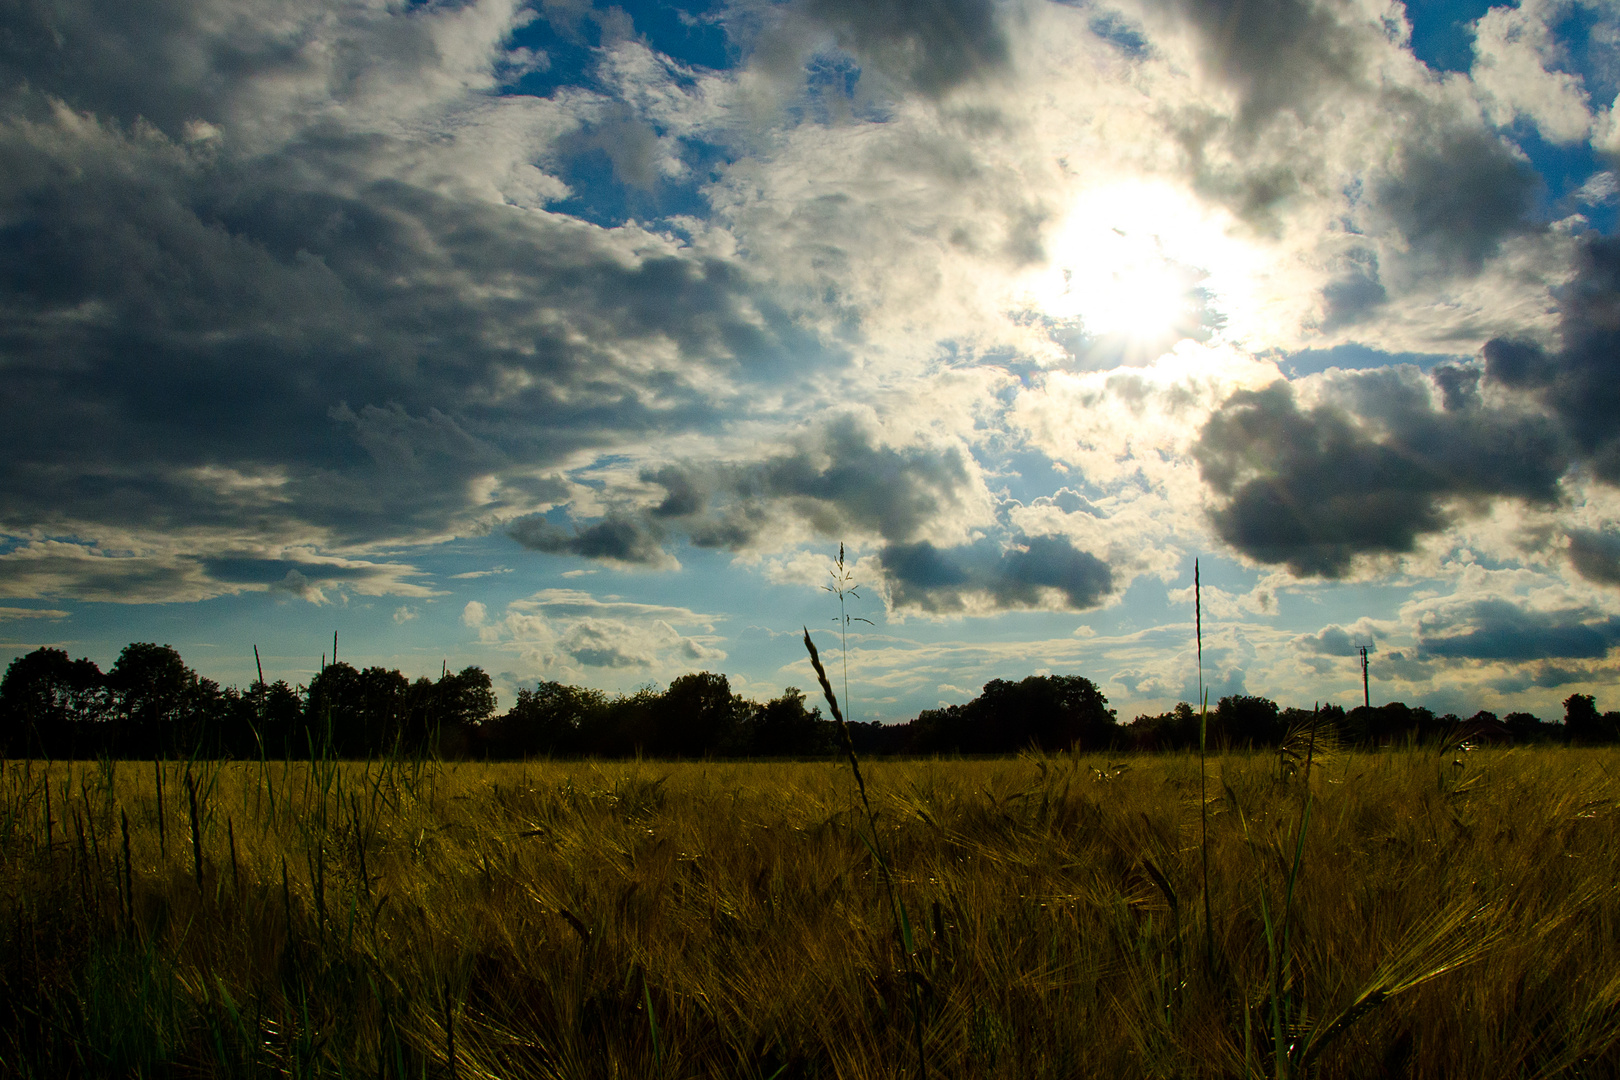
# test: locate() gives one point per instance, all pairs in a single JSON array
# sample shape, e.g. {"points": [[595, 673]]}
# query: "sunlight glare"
{"points": [[1141, 262]]}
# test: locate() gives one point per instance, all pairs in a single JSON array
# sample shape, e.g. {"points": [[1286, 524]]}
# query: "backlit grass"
{"points": [[1452, 915]]}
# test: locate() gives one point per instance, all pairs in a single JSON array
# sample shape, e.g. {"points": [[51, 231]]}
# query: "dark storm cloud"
{"points": [[605, 656], [1579, 382], [616, 538], [1355, 296], [153, 59], [207, 346], [947, 580], [1368, 471], [1501, 630], [1548, 676], [837, 479], [931, 45], [1455, 196], [840, 480], [1277, 54], [844, 478], [1595, 554]]}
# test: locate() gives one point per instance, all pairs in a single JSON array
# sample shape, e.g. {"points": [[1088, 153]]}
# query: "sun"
{"points": [[1139, 264]]}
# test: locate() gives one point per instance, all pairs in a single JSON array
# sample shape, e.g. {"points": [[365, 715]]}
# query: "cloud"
{"points": [[300, 586], [1454, 198], [9, 613], [343, 345], [1043, 572], [836, 479], [617, 539], [54, 568], [1580, 381], [932, 46], [577, 602], [839, 478], [1504, 631], [1328, 641], [1516, 68], [574, 635], [1369, 470], [404, 614], [474, 614], [1278, 54], [1595, 554]]}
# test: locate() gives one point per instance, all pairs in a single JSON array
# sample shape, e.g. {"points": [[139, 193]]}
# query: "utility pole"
{"points": [[1366, 696]]}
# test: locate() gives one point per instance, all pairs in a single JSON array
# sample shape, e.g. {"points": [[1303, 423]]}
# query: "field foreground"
{"points": [[1405, 913]]}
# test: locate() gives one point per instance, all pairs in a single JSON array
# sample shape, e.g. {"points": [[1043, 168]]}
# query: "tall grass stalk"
{"points": [[1203, 773], [874, 842]]}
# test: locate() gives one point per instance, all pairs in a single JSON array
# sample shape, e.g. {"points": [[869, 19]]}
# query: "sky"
{"points": [[571, 340]]}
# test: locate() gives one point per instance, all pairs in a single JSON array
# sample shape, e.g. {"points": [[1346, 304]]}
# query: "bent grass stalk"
{"points": [[874, 845], [1203, 773]]}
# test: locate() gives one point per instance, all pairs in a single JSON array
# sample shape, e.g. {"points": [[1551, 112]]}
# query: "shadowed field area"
{"points": [[1403, 913]]}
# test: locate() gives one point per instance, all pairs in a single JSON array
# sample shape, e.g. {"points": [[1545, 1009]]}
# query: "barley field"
{"points": [[1411, 912]]}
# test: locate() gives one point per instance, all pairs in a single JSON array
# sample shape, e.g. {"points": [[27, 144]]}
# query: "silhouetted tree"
{"points": [[783, 727], [546, 721], [1048, 712], [1581, 720], [1243, 720], [52, 706], [1526, 727], [694, 716], [356, 713], [162, 708], [1388, 725], [1173, 730], [277, 722]]}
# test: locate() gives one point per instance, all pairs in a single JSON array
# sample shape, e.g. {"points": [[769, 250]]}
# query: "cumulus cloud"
{"points": [[1280, 54], [341, 343], [570, 633], [1328, 641], [1454, 199], [1580, 381], [315, 286], [838, 478], [617, 539], [1595, 554], [1370, 469], [1033, 572], [1498, 629], [1517, 66], [931, 46]]}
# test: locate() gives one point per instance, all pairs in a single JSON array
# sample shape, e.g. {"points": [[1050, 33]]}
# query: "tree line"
{"points": [[150, 704]]}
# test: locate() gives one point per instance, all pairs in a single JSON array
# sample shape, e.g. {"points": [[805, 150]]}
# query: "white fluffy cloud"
{"points": [[576, 636]]}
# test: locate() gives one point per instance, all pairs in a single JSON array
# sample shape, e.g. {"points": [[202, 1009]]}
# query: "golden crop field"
{"points": [[1398, 913]]}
